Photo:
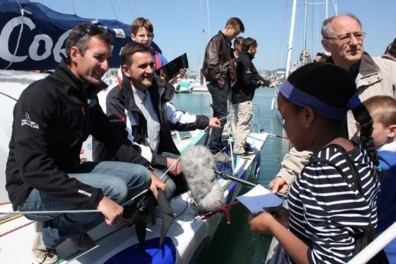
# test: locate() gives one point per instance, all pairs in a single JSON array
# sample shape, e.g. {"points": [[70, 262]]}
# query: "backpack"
{"points": [[362, 239]]}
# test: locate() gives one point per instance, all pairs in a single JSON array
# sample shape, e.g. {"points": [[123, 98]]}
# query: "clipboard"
{"points": [[172, 68]]}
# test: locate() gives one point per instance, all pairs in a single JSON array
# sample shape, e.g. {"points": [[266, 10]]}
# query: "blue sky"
{"points": [[186, 25]]}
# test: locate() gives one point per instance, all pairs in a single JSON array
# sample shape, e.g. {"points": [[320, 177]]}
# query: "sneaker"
{"points": [[83, 242], [222, 157], [41, 253], [249, 148], [226, 137], [247, 153]]}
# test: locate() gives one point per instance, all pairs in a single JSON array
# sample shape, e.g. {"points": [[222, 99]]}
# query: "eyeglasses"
{"points": [[149, 36], [346, 38], [93, 30]]}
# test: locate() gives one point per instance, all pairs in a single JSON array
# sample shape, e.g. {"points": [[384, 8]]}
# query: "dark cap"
{"points": [[392, 47]]}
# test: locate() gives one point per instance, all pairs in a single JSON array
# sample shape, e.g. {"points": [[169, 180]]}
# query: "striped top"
{"points": [[326, 211]]}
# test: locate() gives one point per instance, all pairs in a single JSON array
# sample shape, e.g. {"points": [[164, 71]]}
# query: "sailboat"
{"points": [[25, 27]]}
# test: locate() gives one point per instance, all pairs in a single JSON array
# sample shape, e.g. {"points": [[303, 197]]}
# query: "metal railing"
{"points": [[376, 246]]}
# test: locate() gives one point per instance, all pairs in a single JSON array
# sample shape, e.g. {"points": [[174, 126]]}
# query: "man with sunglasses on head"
{"points": [[52, 118], [342, 37]]}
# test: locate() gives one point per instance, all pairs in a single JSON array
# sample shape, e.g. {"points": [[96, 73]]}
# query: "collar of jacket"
{"points": [[367, 65], [166, 90], [65, 73], [221, 34], [369, 73], [155, 91], [248, 54]]}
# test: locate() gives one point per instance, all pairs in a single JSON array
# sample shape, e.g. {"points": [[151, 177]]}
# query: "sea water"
{"points": [[235, 243]]}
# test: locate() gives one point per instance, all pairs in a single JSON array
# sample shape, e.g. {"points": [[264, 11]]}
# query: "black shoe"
{"points": [[245, 154], [249, 148]]}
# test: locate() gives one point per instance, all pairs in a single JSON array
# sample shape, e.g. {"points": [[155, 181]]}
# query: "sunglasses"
{"points": [[93, 30]]}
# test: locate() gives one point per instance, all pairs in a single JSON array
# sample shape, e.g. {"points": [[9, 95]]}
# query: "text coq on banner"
{"points": [[32, 36]]}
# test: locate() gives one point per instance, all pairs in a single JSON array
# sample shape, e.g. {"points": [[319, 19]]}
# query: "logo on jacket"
{"points": [[28, 122], [92, 102]]}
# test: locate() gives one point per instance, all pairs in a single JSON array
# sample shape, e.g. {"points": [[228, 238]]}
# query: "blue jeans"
{"points": [[120, 181], [219, 105]]}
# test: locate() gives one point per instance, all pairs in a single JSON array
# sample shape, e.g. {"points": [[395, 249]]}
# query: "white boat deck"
{"points": [[200, 88]]}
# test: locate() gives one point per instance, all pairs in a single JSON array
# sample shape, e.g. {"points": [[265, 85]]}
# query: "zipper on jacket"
{"points": [[82, 123]]}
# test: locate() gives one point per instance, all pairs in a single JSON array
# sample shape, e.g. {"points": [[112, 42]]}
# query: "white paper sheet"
{"points": [[258, 199]]}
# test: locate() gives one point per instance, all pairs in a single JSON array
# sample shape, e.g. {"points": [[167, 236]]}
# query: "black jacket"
{"points": [[120, 101], [247, 79], [218, 64], [52, 118]]}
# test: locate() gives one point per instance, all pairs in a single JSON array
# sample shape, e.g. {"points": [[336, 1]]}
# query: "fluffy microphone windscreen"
{"points": [[198, 166]]}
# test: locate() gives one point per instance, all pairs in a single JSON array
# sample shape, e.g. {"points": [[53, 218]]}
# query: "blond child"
{"points": [[383, 112]]}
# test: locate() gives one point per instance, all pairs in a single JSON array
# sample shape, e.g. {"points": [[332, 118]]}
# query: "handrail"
{"points": [[374, 247]]}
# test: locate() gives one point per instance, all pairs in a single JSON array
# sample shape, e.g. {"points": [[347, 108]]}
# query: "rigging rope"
{"points": [[112, 7], [74, 8], [19, 36], [131, 9]]}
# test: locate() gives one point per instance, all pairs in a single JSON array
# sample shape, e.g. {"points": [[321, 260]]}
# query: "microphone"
{"points": [[198, 167]]}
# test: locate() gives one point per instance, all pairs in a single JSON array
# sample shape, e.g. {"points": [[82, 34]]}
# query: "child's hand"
{"points": [[264, 222], [280, 214]]}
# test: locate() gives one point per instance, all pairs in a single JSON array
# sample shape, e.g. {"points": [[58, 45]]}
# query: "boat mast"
{"points": [[335, 6], [290, 44], [327, 9], [303, 57], [304, 51]]}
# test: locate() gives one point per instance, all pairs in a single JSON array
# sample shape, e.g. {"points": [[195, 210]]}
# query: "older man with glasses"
{"points": [[343, 38], [45, 177]]}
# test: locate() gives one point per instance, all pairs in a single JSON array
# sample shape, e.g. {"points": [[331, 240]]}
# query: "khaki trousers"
{"points": [[243, 113]]}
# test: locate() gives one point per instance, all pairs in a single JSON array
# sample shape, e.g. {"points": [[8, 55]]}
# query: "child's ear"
{"points": [[392, 131]]}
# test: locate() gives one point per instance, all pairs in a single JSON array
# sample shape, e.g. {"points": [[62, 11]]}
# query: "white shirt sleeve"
{"points": [[176, 116]]}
